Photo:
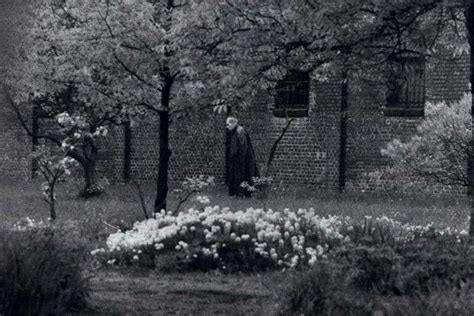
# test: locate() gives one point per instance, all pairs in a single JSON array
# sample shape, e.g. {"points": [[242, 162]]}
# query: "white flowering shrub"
{"points": [[258, 184], [438, 151], [215, 237], [197, 183], [219, 238], [384, 230], [27, 224]]}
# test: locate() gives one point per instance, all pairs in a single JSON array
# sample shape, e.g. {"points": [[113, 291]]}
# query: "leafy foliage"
{"points": [[40, 273], [440, 148], [353, 280]]}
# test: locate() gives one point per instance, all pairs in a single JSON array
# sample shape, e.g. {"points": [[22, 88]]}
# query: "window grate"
{"points": [[292, 95], [406, 87]]}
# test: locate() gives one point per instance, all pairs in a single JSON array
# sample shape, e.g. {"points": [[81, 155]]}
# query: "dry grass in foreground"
{"points": [[182, 294]]}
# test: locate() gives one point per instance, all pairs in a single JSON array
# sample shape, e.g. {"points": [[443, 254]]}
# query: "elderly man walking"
{"points": [[242, 163]]}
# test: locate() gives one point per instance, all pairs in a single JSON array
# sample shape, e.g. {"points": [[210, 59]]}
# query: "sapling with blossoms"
{"points": [[74, 127], [80, 143], [192, 186], [259, 185], [52, 168]]}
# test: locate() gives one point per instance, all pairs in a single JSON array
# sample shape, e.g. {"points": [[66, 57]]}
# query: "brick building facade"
{"points": [[309, 154]]}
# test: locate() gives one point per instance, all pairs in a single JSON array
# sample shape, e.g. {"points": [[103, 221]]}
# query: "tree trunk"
{"points": [[87, 158], [52, 203], [470, 28], [35, 140], [165, 152], [343, 131], [89, 175], [127, 151], [274, 147]]}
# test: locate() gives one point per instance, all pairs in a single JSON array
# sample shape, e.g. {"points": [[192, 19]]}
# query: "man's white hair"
{"points": [[232, 120]]}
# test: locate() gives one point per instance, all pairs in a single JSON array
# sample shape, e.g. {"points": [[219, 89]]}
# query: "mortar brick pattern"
{"points": [[15, 146]]}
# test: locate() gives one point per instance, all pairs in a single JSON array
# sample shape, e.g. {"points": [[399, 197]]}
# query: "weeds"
{"points": [[40, 272]]}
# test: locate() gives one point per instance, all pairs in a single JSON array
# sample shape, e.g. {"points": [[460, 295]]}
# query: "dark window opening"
{"points": [[406, 87], [292, 96]]}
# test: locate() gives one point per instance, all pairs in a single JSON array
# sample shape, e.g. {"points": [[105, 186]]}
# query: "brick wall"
{"points": [[111, 155], [197, 147], [15, 146], [370, 130], [307, 155]]}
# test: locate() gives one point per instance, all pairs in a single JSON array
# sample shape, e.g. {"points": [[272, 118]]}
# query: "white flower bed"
{"points": [[284, 238], [218, 237]]}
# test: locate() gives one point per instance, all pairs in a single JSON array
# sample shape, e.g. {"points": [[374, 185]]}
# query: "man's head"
{"points": [[231, 123]]}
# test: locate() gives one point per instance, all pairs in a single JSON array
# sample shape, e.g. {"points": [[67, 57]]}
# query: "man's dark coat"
{"points": [[242, 162]]}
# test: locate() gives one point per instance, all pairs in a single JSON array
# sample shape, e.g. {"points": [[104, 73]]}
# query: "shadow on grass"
{"points": [[226, 297]]}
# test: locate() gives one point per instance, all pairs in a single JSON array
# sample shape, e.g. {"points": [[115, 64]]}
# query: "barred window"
{"points": [[406, 86], [292, 95]]}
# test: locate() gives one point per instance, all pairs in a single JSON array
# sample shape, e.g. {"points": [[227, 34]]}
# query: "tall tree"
{"points": [[125, 57], [270, 38], [469, 12]]}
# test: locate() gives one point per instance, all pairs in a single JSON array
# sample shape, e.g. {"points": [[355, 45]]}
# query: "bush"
{"points": [[252, 240], [40, 273], [322, 290], [217, 238], [358, 279], [439, 150], [92, 190]]}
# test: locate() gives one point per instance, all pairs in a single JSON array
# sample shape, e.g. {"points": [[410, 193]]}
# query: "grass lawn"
{"points": [[121, 203], [183, 294], [154, 293]]}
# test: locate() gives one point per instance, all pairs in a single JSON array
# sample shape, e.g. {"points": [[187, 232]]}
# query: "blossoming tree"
{"points": [[75, 129], [122, 58]]}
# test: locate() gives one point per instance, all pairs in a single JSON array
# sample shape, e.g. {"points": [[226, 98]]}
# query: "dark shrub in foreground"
{"points": [[402, 279], [40, 273]]}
